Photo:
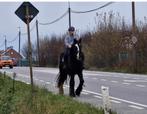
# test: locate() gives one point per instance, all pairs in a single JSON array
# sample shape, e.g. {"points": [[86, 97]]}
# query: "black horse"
{"points": [[71, 68]]}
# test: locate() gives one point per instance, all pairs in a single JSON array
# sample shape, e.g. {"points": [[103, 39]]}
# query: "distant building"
{"points": [[12, 53]]}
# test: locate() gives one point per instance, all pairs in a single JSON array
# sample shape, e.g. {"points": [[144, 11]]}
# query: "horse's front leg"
{"points": [[72, 85], [80, 87]]}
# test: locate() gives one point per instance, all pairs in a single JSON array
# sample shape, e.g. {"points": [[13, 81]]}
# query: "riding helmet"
{"points": [[71, 28]]}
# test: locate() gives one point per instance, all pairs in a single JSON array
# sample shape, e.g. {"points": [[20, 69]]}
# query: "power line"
{"points": [[2, 44], [25, 33], [107, 4], [55, 19], [59, 18], [15, 38]]}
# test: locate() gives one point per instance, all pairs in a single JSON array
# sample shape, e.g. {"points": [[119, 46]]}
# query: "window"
{"points": [[11, 53]]}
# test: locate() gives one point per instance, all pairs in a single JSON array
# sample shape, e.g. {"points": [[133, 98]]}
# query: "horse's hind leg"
{"points": [[80, 87], [61, 90], [71, 88]]}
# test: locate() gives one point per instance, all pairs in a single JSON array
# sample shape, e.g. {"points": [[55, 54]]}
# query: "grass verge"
{"points": [[40, 102]]}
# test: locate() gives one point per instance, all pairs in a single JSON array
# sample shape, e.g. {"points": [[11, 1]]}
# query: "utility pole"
{"points": [[19, 39], [5, 43], [69, 12], [38, 48], [134, 39], [133, 17], [19, 42]]}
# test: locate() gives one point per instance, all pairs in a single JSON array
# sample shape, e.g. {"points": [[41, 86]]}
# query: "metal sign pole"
{"points": [[29, 45], [38, 48]]}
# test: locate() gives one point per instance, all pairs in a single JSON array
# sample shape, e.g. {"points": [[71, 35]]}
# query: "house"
{"points": [[12, 53]]}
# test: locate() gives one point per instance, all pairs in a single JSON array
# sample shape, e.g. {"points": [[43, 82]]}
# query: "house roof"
{"points": [[3, 52]]}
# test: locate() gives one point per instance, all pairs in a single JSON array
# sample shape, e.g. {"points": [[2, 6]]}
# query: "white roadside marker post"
{"points": [[106, 100]]}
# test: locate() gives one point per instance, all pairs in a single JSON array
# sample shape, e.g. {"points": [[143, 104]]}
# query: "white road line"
{"points": [[122, 100], [48, 83], [114, 81], [125, 77], [135, 81], [103, 79], [115, 76], [136, 107], [41, 80], [23, 81], [129, 80], [36, 79], [22, 75], [94, 78], [17, 74], [135, 78], [47, 71], [98, 96], [85, 93], [114, 101], [27, 83], [126, 83], [90, 74], [119, 74], [140, 85]]}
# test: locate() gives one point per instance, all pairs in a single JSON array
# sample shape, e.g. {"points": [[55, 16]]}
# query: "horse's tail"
{"points": [[62, 75]]}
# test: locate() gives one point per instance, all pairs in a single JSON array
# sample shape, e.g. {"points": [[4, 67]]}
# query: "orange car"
{"points": [[6, 61]]}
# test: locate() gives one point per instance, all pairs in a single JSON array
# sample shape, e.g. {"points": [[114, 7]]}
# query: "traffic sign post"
{"points": [[26, 12]]}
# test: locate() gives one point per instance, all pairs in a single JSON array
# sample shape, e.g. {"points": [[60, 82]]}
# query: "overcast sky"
{"points": [[49, 11]]}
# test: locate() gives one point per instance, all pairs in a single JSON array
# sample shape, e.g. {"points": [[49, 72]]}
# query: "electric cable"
{"points": [[59, 18], [15, 38], [107, 4], [2, 44], [25, 33]]}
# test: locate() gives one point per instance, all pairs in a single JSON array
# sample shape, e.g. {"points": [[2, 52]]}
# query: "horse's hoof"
{"points": [[78, 95], [72, 95]]}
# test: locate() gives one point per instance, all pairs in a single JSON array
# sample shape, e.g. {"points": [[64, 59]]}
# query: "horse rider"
{"points": [[68, 41]]}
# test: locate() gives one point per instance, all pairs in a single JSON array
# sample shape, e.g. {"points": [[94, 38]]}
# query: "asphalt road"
{"points": [[128, 92]]}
